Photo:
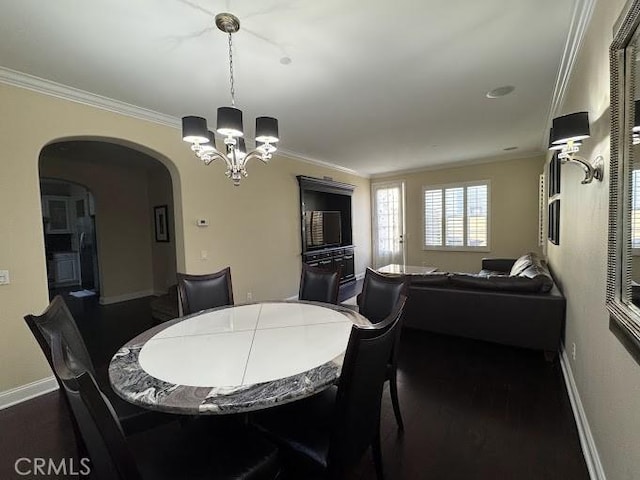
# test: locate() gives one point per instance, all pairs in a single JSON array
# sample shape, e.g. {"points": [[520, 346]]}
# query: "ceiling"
{"points": [[373, 86]]}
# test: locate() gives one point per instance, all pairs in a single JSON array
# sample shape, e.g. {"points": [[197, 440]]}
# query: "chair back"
{"points": [[97, 422], [357, 410], [319, 284], [57, 320], [380, 294], [201, 292]]}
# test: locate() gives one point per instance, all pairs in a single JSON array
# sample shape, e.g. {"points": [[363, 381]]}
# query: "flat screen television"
{"points": [[322, 229]]}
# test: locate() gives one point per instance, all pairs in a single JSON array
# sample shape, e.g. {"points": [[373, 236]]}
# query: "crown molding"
{"points": [[58, 90], [301, 158], [65, 92], [582, 12], [460, 164]]}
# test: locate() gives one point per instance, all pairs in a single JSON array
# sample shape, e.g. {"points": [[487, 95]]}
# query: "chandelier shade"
{"points": [[230, 122], [570, 128], [267, 130], [194, 130]]}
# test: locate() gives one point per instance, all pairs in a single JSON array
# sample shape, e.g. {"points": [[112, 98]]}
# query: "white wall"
{"points": [[607, 377]]}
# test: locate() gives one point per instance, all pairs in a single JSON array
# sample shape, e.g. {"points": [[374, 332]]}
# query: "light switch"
{"points": [[4, 277]]}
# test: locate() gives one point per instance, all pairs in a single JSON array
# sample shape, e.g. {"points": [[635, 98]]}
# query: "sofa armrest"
{"points": [[498, 264]]}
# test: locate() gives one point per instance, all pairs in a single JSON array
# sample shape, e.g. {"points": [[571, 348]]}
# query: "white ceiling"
{"points": [[375, 86]]}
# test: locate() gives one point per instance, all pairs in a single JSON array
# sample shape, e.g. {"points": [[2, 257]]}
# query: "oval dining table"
{"points": [[235, 359]]}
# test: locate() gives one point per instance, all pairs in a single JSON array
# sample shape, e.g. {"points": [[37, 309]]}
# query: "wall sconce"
{"points": [[566, 135]]}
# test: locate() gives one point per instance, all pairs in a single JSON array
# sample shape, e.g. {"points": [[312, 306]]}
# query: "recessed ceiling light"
{"points": [[508, 149], [285, 60], [500, 91]]}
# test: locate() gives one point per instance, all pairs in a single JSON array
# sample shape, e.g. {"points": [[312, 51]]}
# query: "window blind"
{"points": [[433, 218], [454, 217], [477, 216], [457, 216]]}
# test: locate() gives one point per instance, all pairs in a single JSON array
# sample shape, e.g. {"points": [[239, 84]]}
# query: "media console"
{"points": [[325, 195]]}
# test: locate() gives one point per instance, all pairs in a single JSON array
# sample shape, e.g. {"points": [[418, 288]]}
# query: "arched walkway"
{"points": [[127, 183]]}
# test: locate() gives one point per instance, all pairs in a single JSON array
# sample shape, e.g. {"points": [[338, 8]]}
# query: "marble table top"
{"points": [[235, 359], [397, 269]]}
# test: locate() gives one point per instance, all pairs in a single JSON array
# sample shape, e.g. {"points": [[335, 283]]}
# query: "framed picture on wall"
{"points": [[554, 222], [554, 175], [161, 223]]}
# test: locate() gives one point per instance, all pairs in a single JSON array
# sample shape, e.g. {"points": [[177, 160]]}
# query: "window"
{"points": [[457, 216]]}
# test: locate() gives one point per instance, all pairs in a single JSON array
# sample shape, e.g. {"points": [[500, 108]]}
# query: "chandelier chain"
{"points": [[233, 88]]}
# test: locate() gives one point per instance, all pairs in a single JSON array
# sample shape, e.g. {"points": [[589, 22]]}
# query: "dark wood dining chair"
{"points": [[201, 292], [320, 284], [172, 451], [380, 293], [329, 432], [57, 320]]}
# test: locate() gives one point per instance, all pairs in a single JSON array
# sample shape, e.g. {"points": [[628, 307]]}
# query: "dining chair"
{"points": [[57, 320], [171, 451], [330, 431], [201, 292], [319, 284], [380, 293]]}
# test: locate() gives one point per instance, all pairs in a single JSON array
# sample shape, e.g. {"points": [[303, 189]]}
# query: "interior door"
{"points": [[388, 223]]}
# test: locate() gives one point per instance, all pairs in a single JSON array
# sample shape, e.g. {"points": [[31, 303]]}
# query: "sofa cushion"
{"points": [[485, 273], [496, 282], [430, 279], [539, 272]]}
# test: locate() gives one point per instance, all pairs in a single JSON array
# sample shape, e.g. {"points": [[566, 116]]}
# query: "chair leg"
{"points": [[377, 455], [393, 390]]}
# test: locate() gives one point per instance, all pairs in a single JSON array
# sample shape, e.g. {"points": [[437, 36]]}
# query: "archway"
{"points": [[127, 183]]}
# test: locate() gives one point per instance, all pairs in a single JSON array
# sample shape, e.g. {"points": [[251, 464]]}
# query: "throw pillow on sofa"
{"points": [[522, 263]]}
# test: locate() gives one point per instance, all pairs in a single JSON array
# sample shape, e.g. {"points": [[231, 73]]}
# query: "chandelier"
{"points": [[229, 125]]}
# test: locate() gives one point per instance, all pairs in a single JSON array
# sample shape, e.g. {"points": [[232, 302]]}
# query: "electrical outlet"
{"points": [[204, 254], [573, 351], [4, 277], [249, 296]]}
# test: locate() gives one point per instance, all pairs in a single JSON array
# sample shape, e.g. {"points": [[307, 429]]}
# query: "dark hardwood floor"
{"points": [[472, 410]]}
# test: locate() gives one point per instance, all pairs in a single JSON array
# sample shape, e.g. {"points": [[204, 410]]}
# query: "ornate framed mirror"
{"points": [[623, 282]]}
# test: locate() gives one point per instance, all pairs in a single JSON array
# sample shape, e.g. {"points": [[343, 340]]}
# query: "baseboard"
{"points": [[589, 450], [360, 276], [125, 297], [159, 293], [26, 392]]}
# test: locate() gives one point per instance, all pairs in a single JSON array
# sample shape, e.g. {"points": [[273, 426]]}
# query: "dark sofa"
{"points": [[510, 301]]}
